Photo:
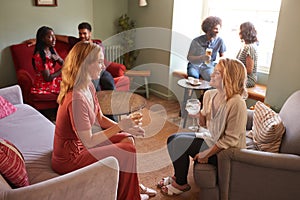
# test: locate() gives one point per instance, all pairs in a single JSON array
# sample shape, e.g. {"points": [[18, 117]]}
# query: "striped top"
{"points": [[251, 50]]}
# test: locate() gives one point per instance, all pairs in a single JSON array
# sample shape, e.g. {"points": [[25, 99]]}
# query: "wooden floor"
{"points": [[172, 109], [150, 179]]}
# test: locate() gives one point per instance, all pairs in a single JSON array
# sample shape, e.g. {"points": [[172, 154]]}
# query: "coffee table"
{"points": [[120, 102], [188, 92]]}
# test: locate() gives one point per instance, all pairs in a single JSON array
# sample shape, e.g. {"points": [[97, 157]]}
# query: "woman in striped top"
{"points": [[248, 52]]}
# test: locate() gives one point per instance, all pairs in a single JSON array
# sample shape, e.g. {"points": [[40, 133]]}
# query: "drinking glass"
{"points": [[193, 108], [208, 52]]}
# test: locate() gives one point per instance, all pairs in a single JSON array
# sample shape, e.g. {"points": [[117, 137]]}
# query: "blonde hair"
{"points": [[234, 77], [74, 71]]}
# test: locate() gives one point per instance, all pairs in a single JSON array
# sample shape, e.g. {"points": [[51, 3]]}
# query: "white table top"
{"points": [[185, 84]]}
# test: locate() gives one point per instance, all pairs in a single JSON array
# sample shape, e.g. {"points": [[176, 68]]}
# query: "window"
{"points": [[262, 13]]}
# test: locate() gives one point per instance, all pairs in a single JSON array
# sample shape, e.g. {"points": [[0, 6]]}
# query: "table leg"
{"points": [[146, 87], [187, 95]]}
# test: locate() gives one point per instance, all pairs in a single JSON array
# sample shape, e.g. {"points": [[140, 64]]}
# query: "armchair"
{"points": [[249, 174], [22, 54]]}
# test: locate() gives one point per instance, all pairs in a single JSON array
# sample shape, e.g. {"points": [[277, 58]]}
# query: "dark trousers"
{"points": [[180, 147], [105, 82]]}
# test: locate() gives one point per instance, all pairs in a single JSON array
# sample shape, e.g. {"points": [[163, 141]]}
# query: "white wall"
{"points": [[285, 67], [20, 19], [182, 35]]}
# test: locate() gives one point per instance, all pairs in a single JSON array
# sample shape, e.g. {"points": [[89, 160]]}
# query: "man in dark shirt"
{"points": [[106, 81]]}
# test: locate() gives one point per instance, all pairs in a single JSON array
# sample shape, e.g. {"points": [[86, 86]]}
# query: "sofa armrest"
{"points": [[25, 81], [13, 94], [116, 69], [96, 181], [258, 175]]}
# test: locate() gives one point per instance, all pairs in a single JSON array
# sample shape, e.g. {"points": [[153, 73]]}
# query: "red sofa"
{"points": [[22, 55]]}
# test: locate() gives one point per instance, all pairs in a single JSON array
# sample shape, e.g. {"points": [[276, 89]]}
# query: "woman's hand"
{"points": [[57, 58], [201, 157], [129, 126]]}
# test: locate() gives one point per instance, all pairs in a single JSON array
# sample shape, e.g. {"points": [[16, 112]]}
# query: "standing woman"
{"points": [[248, 52], [75, 145], [224, 114], [47, 78]]}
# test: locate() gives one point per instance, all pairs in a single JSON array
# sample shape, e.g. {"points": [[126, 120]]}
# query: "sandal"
{"points": [[145, 190], [170, 190], [165, 181]]}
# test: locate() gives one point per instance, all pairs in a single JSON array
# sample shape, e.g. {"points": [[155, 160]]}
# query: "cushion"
{"points": [[6, 108], [12, 165], [267, 129]]}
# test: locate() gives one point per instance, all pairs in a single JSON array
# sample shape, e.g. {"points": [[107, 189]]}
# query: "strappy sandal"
{"points": [[145, 190], [165, 181], [171, 190]]}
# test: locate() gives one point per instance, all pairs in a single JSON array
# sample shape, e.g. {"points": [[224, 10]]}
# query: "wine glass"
{"points": [[137, 117], [193, 108]]}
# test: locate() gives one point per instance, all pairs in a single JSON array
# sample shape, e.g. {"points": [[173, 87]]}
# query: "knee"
{"points": [[129, 140], [170, 138], [129, 147]]}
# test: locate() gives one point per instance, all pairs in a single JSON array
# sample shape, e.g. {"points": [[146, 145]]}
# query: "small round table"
{"points": [[120, 102], [188, 92]]}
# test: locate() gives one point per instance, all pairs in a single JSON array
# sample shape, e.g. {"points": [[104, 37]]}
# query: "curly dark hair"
{"points": [[210, 22], [248, 32]]}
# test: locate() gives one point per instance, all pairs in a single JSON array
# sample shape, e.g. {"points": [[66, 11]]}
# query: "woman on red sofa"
{"points": [[45, 58], [75, 144]]}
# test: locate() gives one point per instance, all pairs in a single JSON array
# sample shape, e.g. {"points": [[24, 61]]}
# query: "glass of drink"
{"points": [[137, 117], [208, 52], [193, 108]]}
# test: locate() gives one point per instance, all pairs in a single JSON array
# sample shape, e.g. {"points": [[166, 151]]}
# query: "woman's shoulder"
{"points": [[237, 101], [211, 92]]}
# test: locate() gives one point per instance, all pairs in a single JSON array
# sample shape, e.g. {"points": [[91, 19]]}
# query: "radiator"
{"points": [[113, 53]]}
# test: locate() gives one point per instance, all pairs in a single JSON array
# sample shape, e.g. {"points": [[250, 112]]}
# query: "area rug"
{"points": [[152, 156]]}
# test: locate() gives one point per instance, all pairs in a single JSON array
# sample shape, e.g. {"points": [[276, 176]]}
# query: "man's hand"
{"points": [[30, 42]]}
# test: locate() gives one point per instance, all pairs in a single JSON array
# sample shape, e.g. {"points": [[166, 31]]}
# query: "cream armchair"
{"points": [[249, 174]]}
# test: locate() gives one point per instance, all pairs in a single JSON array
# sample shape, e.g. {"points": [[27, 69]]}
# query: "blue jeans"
{"points": [[203, 71]]}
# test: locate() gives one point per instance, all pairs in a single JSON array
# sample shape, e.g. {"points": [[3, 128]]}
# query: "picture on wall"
{"points": [[46, 2]]}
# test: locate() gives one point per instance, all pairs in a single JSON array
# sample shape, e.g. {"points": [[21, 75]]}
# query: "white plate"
{"points": [[192, 83]]}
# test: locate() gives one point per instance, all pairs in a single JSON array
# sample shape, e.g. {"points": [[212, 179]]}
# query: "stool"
{"points": [[140, 73]]}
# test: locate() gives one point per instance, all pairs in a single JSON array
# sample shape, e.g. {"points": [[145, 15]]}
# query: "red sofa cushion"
{"points": [[12, 165]]}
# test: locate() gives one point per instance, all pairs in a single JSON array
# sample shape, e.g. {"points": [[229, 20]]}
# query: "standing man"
{"points": [[200, 64], [106, 81]]}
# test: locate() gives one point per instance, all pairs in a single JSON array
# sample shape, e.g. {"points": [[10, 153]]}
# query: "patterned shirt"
{"points": [[249, 50]]}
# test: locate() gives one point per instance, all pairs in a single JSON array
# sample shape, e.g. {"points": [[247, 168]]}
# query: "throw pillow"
{"points": [[12, 165], [6, 108], [267, 129]]}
